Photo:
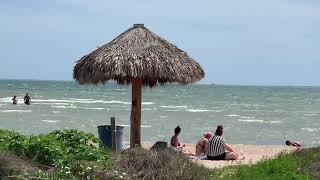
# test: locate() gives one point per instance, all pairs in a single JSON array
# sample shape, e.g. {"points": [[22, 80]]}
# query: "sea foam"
{"points": [[71, 100], [50, 121], [311, 129], [232, 115], [198, 110], [310, 114], [251, 120], [15, 110], [128, 125], [97, 108], [174, 107]]}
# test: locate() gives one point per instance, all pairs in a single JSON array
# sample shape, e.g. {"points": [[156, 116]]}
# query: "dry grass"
{"points": [[9, 163], [139, 163], [137, 53]]}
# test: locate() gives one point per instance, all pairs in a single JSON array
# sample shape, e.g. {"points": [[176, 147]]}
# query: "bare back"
{"points": [[201, 146]]}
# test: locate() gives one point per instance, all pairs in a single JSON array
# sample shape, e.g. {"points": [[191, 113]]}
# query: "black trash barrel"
{"points": [[104, 132]]}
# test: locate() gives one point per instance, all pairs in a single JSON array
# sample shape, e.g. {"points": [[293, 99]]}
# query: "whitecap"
{"points": [[53, 103], [232, 115], [15, 110], [245, 117], [98, 108], [111, 102], [274, 122], [81, 99], [146, 126], [74, 100], [56, 112], [65, 107], [9, 100], [310, 114], [311, 129], [163, 116], [128, 125], [147, 103], [59, 107], [6, 99], [251, 120], [175, 107], [198, 110], [50, 121]]}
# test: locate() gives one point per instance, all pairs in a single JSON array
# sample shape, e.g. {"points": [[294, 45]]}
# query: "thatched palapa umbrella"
{"points": [[140, 57]]}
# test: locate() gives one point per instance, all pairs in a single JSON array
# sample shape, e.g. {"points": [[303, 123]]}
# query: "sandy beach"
{"points": [[252, 154]]}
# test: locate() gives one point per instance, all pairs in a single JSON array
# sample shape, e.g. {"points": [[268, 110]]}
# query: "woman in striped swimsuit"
{"points": [[218, 149]]}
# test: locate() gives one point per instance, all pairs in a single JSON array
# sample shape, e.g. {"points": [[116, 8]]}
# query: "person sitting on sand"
{"points": [[27, 99], [175, 143], [201, 147], [293, 143], [218, 149], [175, 140], [14, 100]]}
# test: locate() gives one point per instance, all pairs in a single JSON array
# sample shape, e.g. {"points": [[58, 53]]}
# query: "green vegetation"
{"points": [[71, 154], [297, 165]]}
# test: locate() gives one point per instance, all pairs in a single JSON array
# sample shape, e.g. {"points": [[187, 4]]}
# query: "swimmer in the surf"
{"points": [[27, 99]]}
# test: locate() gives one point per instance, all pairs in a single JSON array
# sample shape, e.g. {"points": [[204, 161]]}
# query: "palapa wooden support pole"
{"points": [[135, 118], [113, 134]]}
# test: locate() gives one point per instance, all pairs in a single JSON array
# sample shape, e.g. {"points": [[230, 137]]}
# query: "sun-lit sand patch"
{"points": [[252, 154]]}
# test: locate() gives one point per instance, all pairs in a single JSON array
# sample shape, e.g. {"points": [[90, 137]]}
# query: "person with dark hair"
{"points": [[175, 140], [14, 100], [218, 149], [293, 143], [27, 99]]}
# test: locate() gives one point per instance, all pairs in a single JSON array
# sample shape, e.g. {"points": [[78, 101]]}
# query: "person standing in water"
{"points": [[14, 100], [27, 99]]}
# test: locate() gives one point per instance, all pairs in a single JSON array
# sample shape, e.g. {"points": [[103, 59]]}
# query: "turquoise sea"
{"points": [[249, 114]]}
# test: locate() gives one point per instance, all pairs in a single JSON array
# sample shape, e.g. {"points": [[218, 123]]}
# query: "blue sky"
{"points": [[247, 42]]}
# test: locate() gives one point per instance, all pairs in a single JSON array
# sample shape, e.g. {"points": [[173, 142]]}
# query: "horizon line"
{"points": [[200, 83]]}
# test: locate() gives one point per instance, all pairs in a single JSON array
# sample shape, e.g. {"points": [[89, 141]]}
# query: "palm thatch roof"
{"points": [[137, 53]]}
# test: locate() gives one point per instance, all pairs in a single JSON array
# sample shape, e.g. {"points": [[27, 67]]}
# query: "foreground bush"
{"points": [[71, 152]]}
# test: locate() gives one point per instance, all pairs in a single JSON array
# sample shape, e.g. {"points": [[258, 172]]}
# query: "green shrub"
{"points": [[72, 152], [11, 140], [45, 149], [57, 148]]}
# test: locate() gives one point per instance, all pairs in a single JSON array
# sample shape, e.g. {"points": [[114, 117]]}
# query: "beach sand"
{"points": [[252, 154]]}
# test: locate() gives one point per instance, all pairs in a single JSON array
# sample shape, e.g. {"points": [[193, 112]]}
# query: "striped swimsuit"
{"points": [[215, 146]]}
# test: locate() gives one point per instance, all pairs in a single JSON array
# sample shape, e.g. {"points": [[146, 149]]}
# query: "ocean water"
{"points": [[249, 114]]}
